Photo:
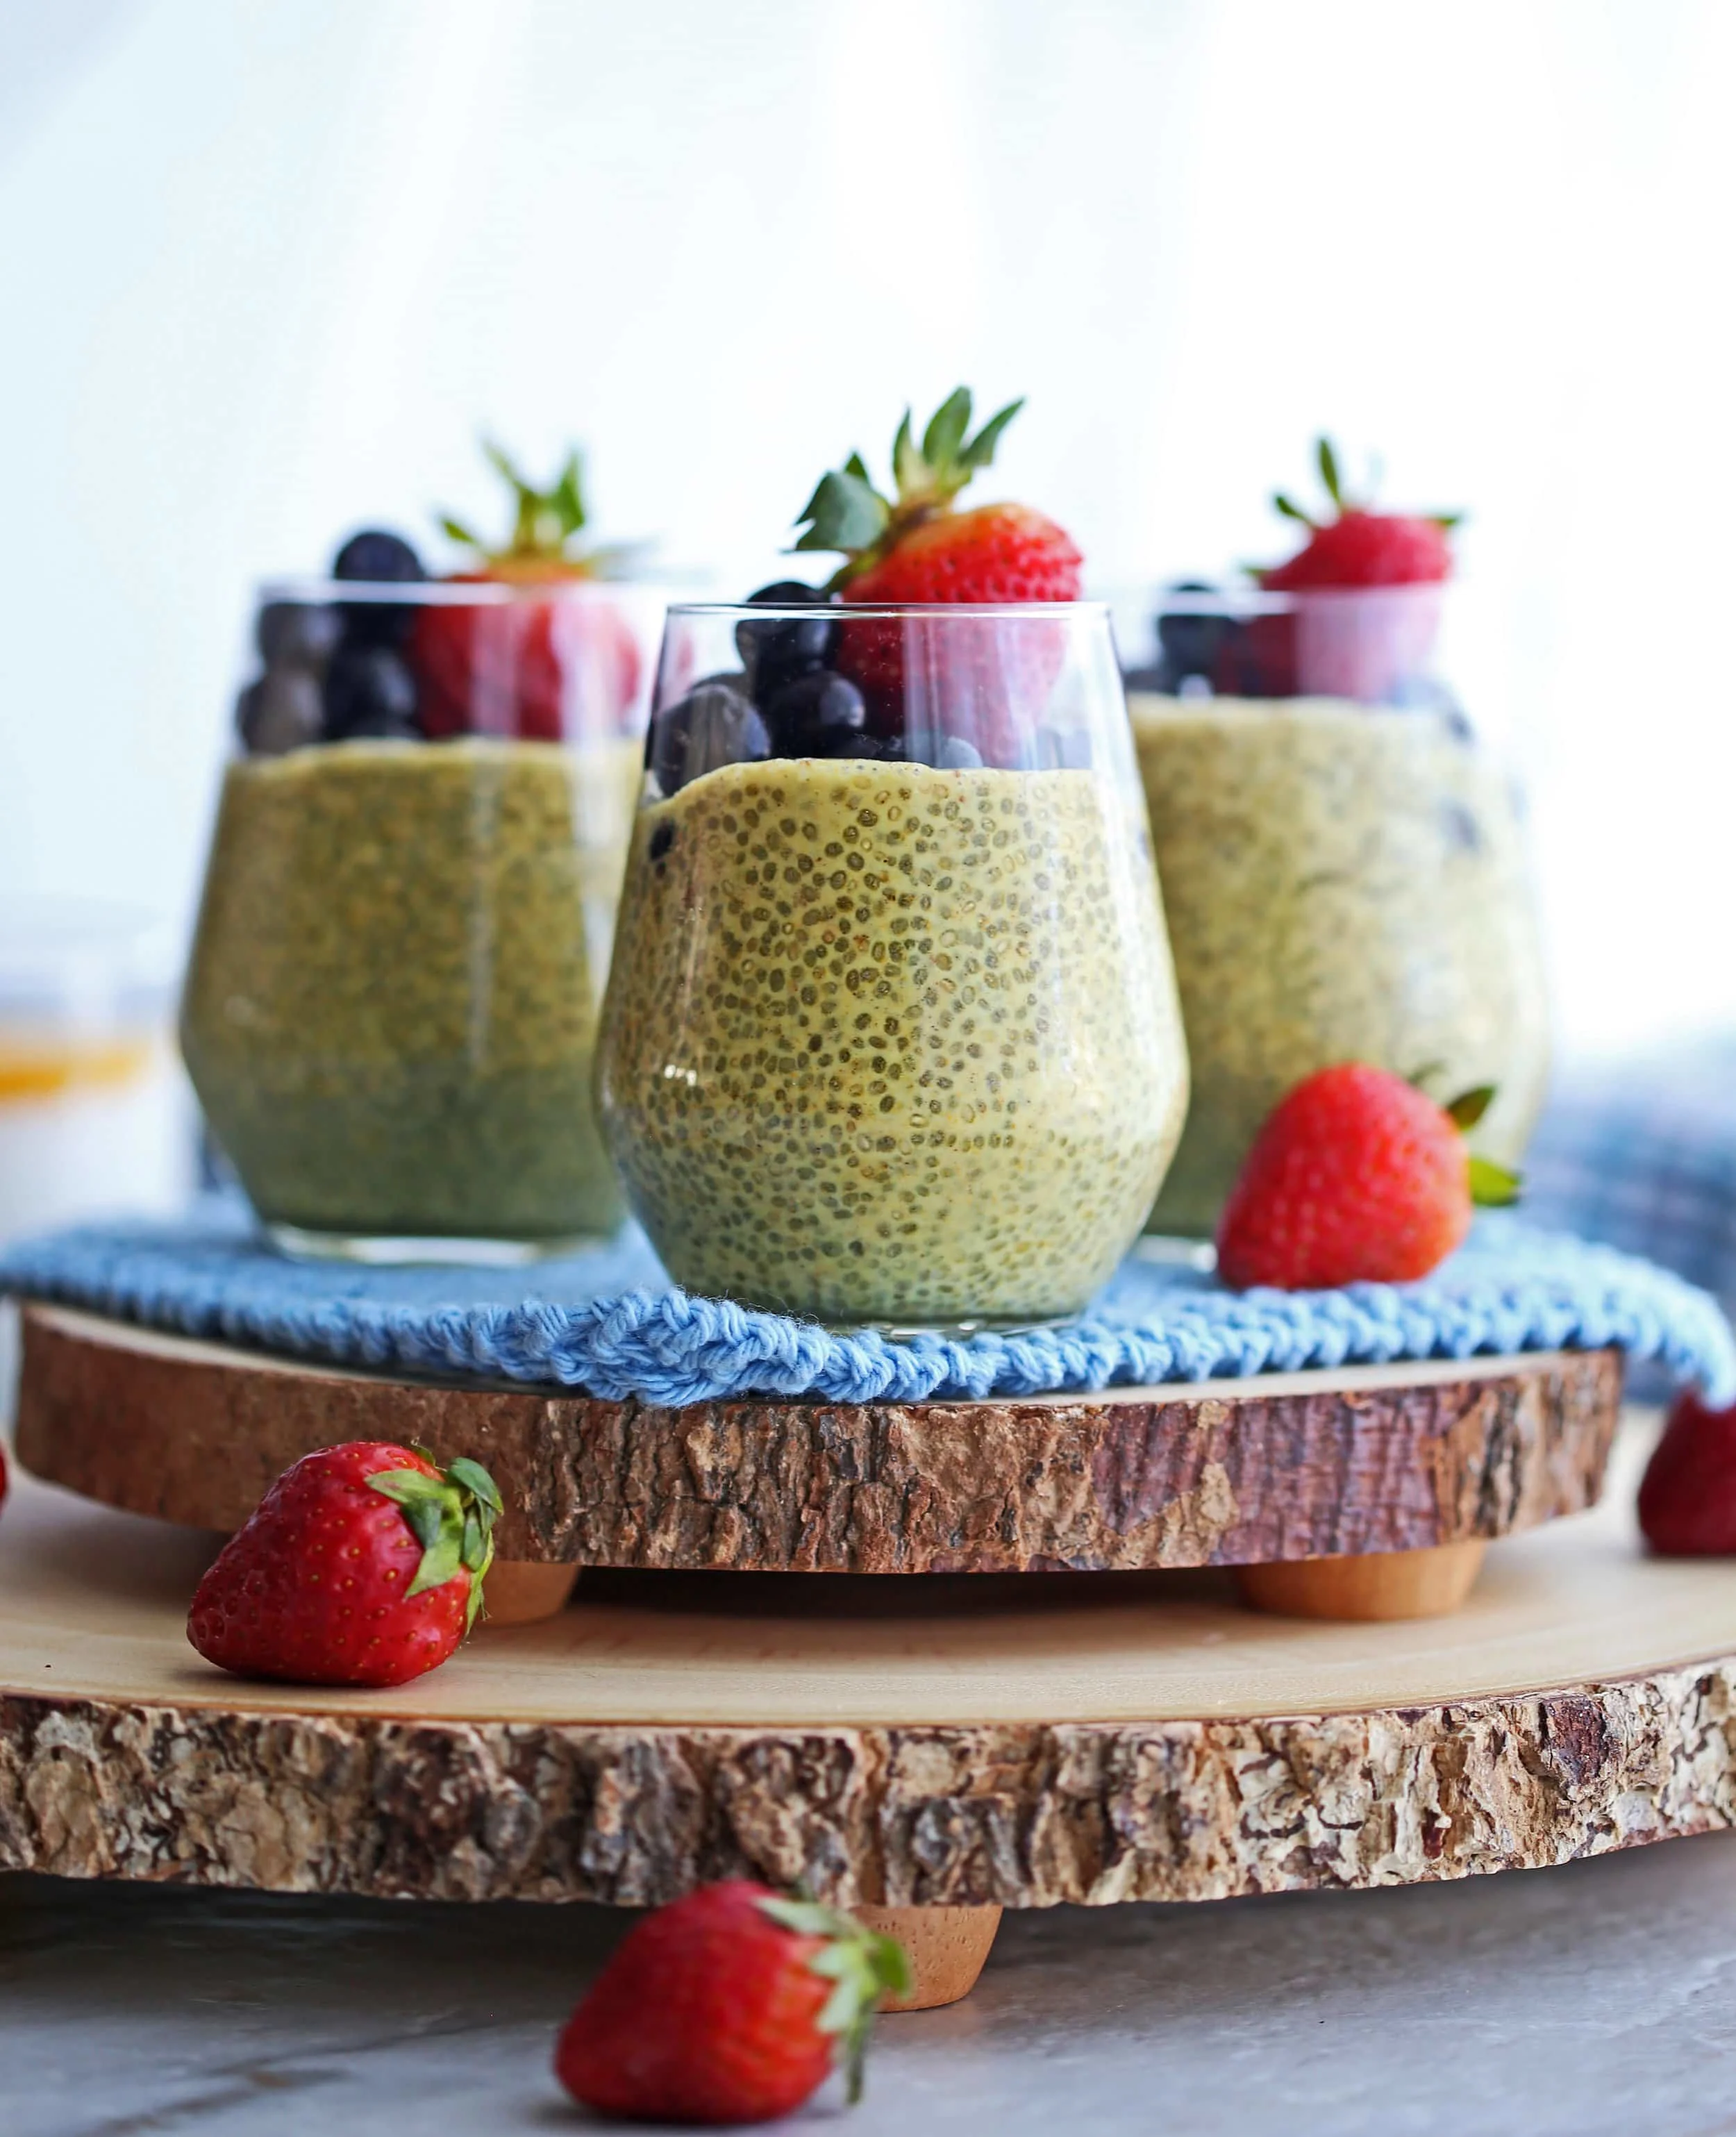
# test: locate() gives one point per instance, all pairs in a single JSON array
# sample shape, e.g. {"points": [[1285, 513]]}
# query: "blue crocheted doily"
{"points": [[609, 1321]]}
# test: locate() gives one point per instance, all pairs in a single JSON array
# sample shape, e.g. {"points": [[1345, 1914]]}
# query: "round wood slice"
{"points": [[931, 1741], [1223, 1472]]}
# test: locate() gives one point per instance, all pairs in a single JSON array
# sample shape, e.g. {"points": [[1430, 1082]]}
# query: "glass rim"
{"points": [[890, 611], [310, 591], [1273, 600]]}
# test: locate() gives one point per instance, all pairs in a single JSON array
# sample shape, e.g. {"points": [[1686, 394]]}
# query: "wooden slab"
{"points": [[1365, 1459], [931, 1741]]}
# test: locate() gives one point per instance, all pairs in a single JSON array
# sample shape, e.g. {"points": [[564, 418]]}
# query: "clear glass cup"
{"points": [[389, 1012], [1342, 867], [891, 1037]]}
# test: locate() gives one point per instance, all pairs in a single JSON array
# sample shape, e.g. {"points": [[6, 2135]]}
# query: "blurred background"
{"points": [[265, 271]]}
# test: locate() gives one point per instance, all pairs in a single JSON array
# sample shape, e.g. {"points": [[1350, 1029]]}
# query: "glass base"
{"points": [[382, 1252], [953, 1331], [1169, 1250]]}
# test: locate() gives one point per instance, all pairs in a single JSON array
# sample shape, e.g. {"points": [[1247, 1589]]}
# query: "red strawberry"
{"points": [[988, 683], [729, 2006], [1357, 1176], [362, 1565], [542, 670], [1361, 548], [1688, 1495]]}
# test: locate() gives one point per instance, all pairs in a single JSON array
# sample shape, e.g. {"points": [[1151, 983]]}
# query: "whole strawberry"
{"points": [[914, 546], [1356, 1177], [531, 669], [1688, 1495], [732, 2005], [1359, 547], [362, 1565]]}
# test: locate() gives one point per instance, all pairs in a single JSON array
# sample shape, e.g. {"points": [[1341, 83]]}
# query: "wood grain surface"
{"points": [[931, 1741], [1366, 1459]]}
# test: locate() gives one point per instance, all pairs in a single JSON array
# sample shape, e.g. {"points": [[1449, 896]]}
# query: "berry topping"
{"points": [[542, 671], [1688, 1495], [379, 558], [729, 2006], [1359, 547], [818, 714], [915, 547], [776, 653], [363, 1564], [1356, 1177], [370, 691], [715, 724], [297, 633], [284, 710]]}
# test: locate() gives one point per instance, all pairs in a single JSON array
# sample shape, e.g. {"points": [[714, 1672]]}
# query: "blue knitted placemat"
{"points": [[610, 1323]]}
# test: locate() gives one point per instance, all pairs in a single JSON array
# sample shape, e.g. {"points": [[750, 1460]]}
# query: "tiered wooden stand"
{"points": [[933, 1747]]}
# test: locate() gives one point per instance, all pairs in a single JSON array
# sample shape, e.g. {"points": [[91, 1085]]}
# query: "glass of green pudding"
{"points": [[1343, 867], [892, 1037], [390, 1009]]}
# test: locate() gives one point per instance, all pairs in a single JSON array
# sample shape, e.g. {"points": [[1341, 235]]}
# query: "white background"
{"points": [[267, 265]]}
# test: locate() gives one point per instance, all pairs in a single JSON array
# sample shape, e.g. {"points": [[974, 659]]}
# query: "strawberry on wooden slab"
{"points": [[362, 1565], [1356, 1177], [1688, 1495], [732, 2005]]}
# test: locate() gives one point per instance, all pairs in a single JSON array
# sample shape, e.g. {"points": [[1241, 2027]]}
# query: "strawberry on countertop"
{"points": [[729, 2006], [363, 1564], [1688, 1495], [1357, 1176], [529, 667]]}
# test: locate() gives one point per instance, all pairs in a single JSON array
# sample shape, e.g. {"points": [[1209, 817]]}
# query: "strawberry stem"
{"points": [[452, 1516]]}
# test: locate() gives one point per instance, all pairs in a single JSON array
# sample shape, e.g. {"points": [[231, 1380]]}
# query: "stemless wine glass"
{"points": [[390, 1008], [891, 1036], [1343, 869]]}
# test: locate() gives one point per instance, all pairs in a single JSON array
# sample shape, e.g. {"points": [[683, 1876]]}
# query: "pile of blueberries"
{"points": [[336, 671], [787, 699], [1222, 655]]}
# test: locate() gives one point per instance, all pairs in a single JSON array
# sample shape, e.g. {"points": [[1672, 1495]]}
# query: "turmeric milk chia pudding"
{"points": [[887, 1042], [390, 1010]]}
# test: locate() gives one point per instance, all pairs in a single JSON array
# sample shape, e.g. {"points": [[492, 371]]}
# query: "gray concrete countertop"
{"points": [[1596, 1999]]}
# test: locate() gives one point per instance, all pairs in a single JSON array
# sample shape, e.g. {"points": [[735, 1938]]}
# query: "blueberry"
{"points": [[369, 690], [297, 633], [713, 725], [282, 711], [380, 557], [775, 653], [958, 755], [1191, 642], [374, 557], [888, 749], [816, 714]]}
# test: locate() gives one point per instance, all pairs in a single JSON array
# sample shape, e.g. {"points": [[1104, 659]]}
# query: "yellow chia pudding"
{"points": [[391, 1011], [1342, 883], [887, 1044]]}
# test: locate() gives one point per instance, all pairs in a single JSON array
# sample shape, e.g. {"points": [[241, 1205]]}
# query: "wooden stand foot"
{"points": [[947, 1946], [518, 1592], [1394, 1584]]}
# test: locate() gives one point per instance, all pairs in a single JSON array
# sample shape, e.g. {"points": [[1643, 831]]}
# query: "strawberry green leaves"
{"points": [[1492, 1185], [452, 1516], [546, 525], [847, 513], [862, 1966]]}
